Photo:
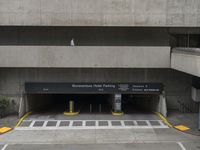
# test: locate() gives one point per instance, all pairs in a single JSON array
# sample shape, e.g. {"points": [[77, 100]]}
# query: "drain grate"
{"points": [[116, 123], [142, 123], [128, 123], [154, 123], [51, 123], [103, 123], [90, 123], [64, 123], [77, 123], [38, 124]]}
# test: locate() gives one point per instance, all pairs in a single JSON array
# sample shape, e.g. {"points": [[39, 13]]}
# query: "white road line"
{"points": [[181, 145], [4, 147], [84, 123], [70, 123], [32, 123], [96, 123], [161, 123], [135, 123], [109, 123], [88, 127], [148, 123], [45, 124], [58, 123], [122, 123]]}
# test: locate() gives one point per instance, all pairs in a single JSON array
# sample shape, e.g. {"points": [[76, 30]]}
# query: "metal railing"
{"points": [[191, 107]]}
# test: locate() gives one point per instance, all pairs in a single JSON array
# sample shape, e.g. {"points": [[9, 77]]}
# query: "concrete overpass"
{"points": [[182, 59], [84, 57], [186, 60]]}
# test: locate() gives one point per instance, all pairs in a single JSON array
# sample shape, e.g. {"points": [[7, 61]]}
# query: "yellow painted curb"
{"points": [[71, 113], [22, 118], [164, 119], [117, 113], [4, 130], [182, 127]]}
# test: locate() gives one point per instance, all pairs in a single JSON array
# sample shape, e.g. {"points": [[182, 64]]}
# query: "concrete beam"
{"points": [[84, 57], [182, 13], [188, 62]]}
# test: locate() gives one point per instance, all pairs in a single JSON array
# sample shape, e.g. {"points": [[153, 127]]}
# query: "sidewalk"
{"points": [[188, 119], [9, 121]]}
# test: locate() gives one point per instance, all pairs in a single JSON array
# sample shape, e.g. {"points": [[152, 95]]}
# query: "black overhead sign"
{"points": [[92, 88]]}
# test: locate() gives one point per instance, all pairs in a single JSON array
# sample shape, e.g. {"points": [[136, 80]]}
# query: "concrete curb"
{"points": [[21, 119]]}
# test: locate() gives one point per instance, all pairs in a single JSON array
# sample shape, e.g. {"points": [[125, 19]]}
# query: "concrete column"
{"points": [[162, 106], [22, 106], [117, 103]]}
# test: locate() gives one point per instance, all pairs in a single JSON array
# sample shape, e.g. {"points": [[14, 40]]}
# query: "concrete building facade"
{"points": [[116, 41]]}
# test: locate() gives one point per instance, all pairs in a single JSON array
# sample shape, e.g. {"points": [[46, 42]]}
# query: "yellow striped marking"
{"points": [[70, 113], [117, 113], [22, 118], [164, 119], [182, 127], [4, 130]]}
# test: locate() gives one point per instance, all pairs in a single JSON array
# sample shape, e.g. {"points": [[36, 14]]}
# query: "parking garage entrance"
{"points": [[93, 97]]}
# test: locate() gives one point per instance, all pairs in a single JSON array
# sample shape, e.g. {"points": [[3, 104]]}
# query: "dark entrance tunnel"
{"points": [[58, 103], [91, 103], [139, 103]]}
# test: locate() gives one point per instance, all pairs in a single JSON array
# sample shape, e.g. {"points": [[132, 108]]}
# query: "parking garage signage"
{"points": [[87, 88]]}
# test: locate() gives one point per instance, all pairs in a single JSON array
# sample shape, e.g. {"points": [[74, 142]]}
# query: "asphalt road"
{"points": [[99, 139], [129, 146]]}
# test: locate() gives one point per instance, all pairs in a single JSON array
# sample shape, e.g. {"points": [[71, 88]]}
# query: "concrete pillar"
{"points": [[162, 106], [22, 106], [117, 103]]}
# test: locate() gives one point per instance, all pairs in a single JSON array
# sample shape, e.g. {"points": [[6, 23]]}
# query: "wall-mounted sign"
{"points": [[92, 88]]}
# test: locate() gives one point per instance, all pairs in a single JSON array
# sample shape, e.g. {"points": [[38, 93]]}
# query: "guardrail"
{"points": [[188, 107]]}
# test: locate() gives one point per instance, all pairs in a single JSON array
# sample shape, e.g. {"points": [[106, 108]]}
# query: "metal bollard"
{"points": [[71, 106]]}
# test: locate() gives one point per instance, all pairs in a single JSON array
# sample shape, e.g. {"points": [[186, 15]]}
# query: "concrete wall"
{"points": [[84, 57], [100, 12], [177, 85], [186, 62]]}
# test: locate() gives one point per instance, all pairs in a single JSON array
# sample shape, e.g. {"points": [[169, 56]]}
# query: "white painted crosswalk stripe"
{"points": [[91, 124], [4, 147]]}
